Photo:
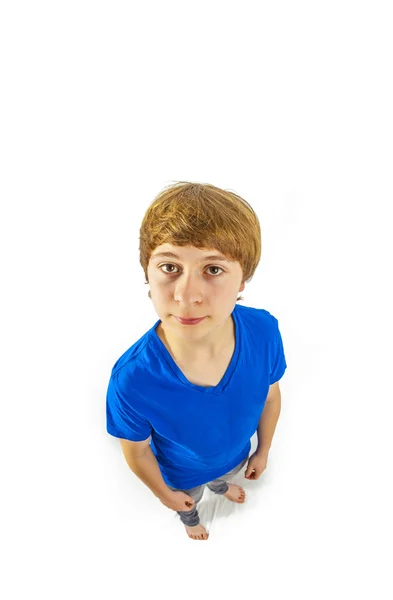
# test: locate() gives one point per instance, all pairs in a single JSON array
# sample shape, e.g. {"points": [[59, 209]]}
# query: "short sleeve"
{"points": [[122, 420], [278, 362]]}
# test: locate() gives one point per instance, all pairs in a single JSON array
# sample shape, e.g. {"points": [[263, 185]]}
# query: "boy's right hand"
{"points": [[179, 501]]}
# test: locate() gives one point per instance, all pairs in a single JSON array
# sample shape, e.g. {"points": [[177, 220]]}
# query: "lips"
{"points": [[190, 318], [189, 321]]}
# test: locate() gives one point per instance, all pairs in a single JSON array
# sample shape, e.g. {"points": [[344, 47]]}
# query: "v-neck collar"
{"points": [[217, 389]]}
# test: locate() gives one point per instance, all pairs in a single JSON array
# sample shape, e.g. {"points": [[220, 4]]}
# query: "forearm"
{"points": [[147, 469], [267, 425]]}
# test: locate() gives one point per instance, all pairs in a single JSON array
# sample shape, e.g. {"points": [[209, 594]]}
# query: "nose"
{"points": [[188, 290]]}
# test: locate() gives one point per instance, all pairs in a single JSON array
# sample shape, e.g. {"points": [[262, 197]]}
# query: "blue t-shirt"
{"points": [[197, 433]]}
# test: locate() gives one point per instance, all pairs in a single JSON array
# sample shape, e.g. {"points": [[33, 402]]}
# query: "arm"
{"points": [[268, 421], [143, 463]]}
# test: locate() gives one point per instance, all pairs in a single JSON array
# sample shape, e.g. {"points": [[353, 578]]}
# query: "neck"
{"points": [[206, 349]]}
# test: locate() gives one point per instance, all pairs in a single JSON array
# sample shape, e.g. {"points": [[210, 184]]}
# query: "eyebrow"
{"points": [[172, 255]]}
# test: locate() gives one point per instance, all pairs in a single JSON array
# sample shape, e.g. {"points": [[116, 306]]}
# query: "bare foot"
{"points": [[235, 493], [198, 532]]}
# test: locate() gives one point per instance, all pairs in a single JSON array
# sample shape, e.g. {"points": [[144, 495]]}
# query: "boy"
{"points": [[187, 397]]}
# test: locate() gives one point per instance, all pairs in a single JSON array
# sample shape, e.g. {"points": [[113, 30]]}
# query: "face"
{"points": [[193, 286]]}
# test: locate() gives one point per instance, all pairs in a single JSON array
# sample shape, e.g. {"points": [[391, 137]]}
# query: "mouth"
{"points": [[189, 321]]}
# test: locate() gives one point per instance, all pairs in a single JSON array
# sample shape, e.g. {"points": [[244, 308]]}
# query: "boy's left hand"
{"points": [[256, 465]]}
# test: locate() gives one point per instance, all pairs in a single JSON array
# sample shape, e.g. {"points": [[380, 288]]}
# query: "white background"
{"points": [[289, 104]]}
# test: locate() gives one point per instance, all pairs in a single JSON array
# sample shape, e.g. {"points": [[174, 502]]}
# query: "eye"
{"points": [[172, 273]]}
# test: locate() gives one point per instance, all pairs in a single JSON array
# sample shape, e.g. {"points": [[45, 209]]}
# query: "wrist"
{"points": [[165, 495], [263, 451]]}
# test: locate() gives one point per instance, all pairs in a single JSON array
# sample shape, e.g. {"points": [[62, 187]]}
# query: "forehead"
{"points": [[188, 253]]}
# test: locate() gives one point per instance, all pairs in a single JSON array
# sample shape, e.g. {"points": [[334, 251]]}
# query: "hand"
{"points": [[178, 501], [256, 465]]}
